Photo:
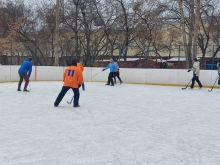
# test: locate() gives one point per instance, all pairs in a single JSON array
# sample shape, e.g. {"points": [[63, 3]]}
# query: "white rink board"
{"points": [[128, 75], [52, 73]]}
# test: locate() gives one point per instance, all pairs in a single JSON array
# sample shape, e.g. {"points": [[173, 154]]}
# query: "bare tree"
{"points": [[151, 24], [208, 22], [215, 33], [196, 29]]}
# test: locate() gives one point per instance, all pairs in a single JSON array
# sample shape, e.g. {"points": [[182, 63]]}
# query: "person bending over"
{"points": [[24, 72]]}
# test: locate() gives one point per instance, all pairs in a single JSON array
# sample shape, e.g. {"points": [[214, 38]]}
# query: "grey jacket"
{"points": [[196, 68], [218, 69]]}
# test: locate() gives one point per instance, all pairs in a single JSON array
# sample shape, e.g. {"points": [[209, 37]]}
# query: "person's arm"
{"points": [[30, 69], [190, 69], [80, 78], [82, 67], [106, 67], [64, 75]]}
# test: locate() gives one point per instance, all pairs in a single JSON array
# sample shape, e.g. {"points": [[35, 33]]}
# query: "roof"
{"points": [[177, 59], [173, 59]]}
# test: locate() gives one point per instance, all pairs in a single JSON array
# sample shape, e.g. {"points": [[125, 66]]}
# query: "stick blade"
{"points": [[68, 102]]}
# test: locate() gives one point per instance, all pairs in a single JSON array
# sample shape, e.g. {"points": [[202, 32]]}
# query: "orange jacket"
{"points": [[117, 70], [80, 66], [72, 77]]}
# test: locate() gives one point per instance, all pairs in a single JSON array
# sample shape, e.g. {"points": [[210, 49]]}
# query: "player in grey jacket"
{"points": [[196, 73], [218, 67]]}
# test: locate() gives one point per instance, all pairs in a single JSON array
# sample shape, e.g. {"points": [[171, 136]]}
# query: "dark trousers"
{"points": [[110, 78], [195, 78], [83, 86], [26, 78], [62, 94], [117, 75]]}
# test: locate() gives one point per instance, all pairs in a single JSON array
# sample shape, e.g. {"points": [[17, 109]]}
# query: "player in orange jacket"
{"points": [[73, 79], [117, 72], [79, 65]]}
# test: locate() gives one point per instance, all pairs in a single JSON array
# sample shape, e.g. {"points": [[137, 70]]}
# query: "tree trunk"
{"points": [[191, 29], [180, 3], [76, 33], [197, 18]]}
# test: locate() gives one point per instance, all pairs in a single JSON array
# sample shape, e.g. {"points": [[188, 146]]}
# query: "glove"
{"points": [[189, 70], [79, 85], [103, 69]]}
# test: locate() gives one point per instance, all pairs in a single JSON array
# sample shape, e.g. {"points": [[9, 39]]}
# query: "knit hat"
{"points": [[30, 59], [195, 59], [74, 63]]}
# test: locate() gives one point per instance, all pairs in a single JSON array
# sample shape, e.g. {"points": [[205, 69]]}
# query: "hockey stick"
{"points": [[69, 102], [213, 85], [29, 86], [96, 74], [187, 85]]}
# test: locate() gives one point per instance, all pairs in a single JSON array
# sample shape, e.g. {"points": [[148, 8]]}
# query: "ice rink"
{"points": [[127, 124]]}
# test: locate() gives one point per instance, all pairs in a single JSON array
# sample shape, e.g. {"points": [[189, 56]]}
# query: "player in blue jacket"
{"points": [[113, 67], [24, 73]]}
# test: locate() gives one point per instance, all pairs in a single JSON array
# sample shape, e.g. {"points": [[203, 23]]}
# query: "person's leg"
{"points": [[76, 97], [83, 86], [198, 81], [117, 74], [109, 79], [111, 75], [20, 81], [114, 79], [193, 82], [61, 95], [26, 78]]}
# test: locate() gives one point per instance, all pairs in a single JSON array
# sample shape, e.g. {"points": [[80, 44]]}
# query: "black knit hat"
{"points": [[30, 59], [74, 63], [195, 59]]}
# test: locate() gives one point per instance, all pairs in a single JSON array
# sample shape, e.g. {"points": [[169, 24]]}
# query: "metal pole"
{"points": [[148, 51], [57, 34], [179, 57], [119, 54], [92, 57], [35, 49], [11, 53], [213, 48]]}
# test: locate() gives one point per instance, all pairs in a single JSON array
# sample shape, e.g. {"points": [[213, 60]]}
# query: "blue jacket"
{"points": [[26, 67], [113, 66]]}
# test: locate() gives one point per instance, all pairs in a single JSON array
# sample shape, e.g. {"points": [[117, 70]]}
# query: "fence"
{"points": [[136, 56]]}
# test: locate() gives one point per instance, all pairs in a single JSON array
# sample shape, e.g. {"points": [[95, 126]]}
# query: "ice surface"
{"points": [[127, 124]]}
